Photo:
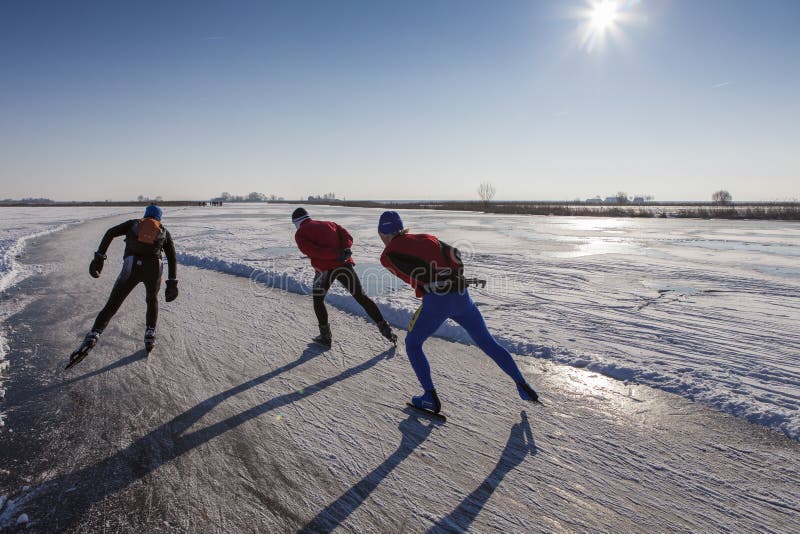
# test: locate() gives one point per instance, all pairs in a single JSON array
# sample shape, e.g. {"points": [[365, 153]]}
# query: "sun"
{"points": [[603, 15], [602, 20]]}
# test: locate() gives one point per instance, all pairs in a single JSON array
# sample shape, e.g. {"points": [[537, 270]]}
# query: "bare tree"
{"points": [[622, 197], [486, 191], [722, 197]]}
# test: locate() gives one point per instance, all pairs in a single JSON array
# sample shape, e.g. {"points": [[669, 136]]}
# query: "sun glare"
{"points": [[601, 21], [604, 15]]}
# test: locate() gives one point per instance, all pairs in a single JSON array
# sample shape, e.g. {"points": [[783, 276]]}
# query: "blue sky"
{"points": [[404, 100]]}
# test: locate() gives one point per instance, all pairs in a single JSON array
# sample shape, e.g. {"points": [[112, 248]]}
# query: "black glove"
{"points": [[171, 293], [96, 267], [344, 254]]}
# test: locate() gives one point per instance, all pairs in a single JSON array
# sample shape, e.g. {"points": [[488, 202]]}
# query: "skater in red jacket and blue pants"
{"points": [[327, 245], [435, 270]]}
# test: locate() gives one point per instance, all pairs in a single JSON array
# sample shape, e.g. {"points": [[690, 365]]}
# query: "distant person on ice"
{"points": [[145, 239], [327, 245], [435, 270]]}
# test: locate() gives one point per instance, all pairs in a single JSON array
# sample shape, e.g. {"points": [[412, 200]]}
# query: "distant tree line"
{"points": [[252, 197], [27, 201], [787, 210], [322, 198]]}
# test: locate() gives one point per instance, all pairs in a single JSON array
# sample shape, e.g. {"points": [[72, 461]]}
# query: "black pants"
{"points": [[134, 270], [346, 276]]}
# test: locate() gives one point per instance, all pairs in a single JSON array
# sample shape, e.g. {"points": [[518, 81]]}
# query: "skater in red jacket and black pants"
{"points": [[435, 270], [327, 245]]}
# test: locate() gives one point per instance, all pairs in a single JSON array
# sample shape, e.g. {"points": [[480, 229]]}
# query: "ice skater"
{"points": [[145, 240], [435, 270], [327, 245]]}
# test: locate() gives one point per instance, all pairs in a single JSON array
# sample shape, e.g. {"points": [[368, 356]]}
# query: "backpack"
{"points": [[145, 238], [150, 230]]}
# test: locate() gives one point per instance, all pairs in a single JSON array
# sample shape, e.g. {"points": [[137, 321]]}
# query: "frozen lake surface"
{"points": [[237, 423], [703, 308], [18, 226], [706, 309]]}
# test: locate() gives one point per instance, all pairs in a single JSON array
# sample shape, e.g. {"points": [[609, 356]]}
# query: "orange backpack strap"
{"points": [[149, 231]]}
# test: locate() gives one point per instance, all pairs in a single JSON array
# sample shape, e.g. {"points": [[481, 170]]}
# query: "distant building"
{"points": [[611, 200], [594, 200], [639, 200]]}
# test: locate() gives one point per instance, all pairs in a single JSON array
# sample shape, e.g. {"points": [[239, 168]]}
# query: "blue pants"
{"points": [[434, 311]]}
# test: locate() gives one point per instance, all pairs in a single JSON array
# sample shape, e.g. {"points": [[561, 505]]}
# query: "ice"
{"points": [[236, 423], [20, 225], [703, 308]]}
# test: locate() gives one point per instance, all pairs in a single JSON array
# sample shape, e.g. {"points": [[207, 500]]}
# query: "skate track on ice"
{"points": [[234, 423]]}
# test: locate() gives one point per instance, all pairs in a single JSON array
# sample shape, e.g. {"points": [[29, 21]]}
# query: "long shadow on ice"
{"points": [[83, 488], [520, 445], [140, 354], [413, 434], [127, 360]]}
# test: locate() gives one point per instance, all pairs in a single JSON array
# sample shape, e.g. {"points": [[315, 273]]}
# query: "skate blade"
{"points": [[439, 416], [75, 358]]}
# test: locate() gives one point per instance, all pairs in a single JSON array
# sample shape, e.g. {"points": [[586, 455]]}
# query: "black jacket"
{"points": [[134, 248]]}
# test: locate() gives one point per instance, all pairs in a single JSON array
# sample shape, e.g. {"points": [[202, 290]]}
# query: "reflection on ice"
{"points": [[594, 224], [589, 384], [599, 246]]}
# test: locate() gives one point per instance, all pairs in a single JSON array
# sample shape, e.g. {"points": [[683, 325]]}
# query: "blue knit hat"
{"points": [[390, 223], [153, 212]]}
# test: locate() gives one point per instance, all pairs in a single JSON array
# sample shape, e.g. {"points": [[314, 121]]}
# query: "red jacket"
{"points": [[416, 258], [321, 241]]}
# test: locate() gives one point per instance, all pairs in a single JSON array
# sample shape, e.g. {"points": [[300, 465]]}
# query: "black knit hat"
{"points": [[299, 215]]}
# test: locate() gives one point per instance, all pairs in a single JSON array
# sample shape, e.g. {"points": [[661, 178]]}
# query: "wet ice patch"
{"points": [[673, 287]]}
